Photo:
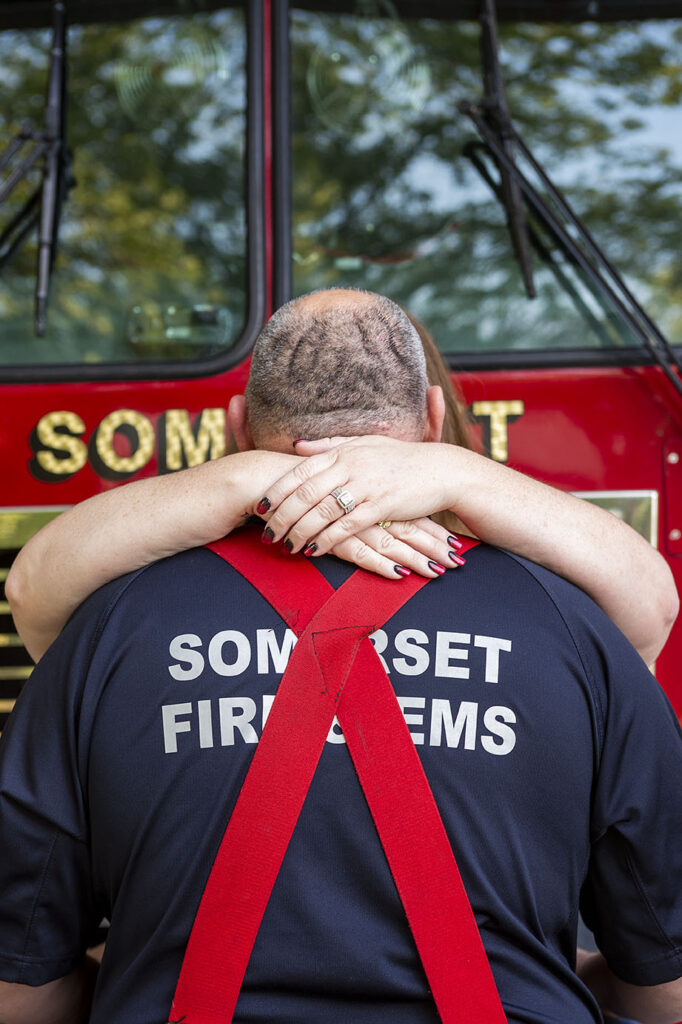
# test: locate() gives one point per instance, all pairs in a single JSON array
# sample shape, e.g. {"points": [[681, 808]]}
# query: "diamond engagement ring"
{"points": [[344, 499]]}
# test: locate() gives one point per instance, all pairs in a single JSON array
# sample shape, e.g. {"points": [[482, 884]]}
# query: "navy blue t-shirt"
{"points": [[553, 754]]}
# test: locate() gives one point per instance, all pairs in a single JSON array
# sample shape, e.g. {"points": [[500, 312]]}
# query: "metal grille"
{"points": [[15, 663]]}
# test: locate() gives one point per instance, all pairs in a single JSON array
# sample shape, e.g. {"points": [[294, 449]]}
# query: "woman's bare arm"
{"points": [[131, 526], [122, 530], [648, 1004], [612, 563]]}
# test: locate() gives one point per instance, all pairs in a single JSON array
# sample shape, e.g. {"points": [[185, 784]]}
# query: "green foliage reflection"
{"points": [[385, 200], [152, 243]]}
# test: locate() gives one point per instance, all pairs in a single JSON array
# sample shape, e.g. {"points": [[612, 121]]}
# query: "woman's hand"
{"points": [[387, 479], [401, 548]]}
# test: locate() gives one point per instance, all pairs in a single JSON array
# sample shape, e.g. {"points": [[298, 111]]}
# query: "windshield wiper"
{"points": [[49, 146], [502, 143], [477, 153], [496, 113]]}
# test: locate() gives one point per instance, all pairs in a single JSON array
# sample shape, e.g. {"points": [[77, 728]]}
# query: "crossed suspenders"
{"points": [[333, 670]]}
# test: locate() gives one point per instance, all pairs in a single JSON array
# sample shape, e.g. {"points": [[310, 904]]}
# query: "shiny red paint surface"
{"points": [[582, 429]]}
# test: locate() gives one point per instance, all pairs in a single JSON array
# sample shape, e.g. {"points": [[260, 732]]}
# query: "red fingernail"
{"points": [[456, 558], [436, 567], [267, 535], [402, 571], [452, 541], [287, 546], [262, 506], [310, 549]]}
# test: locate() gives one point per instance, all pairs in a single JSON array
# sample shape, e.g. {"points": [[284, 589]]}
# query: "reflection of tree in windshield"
{"points": [[152, 243], [355, 87], [383, 198]]}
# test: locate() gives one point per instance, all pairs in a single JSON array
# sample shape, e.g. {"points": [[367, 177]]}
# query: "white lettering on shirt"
{"points": [[171, 726], [493, 719], [267, 648], [408, 642], [237, 713], [178, 649], [411, 652], [205, 723], [413, 702], [242, 648], [465, 722], [379, 640], [453, 724], [493, 645], [445, 652]]}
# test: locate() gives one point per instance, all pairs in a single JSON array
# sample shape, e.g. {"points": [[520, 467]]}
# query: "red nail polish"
{"points": [[310, 549], [454, 542], [436, 567], [267, 535], [456, 558], [262, 506], [402, 571], [287, 546]]}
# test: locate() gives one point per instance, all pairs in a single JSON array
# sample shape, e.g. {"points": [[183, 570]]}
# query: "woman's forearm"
{"points": [[126, 528], [391, 479], [603, 556], [649, 1004]]}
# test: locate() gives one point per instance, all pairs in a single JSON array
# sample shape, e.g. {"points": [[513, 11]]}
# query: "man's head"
{"points": [[336, 362]]}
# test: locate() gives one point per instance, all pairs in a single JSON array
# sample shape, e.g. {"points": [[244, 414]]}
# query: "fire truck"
{"points": [[173, 170]]}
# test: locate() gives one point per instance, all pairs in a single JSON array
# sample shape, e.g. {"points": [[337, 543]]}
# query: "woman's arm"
{"points": [[648, 1004], [122, 530], [587, 545], [131, 526]]}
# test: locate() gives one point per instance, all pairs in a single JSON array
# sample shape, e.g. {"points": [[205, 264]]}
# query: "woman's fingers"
{"points": [[428, 562], [322, 444], [428, 539], [384, 477], [365, 556], [307, 510], [379, 551], [326, 525], [302, 474]]}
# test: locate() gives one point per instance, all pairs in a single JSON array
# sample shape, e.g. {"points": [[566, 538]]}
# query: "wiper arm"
{"points": [[588, 255], [474, 151], [56, 171], [23, 222], [496, 113], [43, 207]]}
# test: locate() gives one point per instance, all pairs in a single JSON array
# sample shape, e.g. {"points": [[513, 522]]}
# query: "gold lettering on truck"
{"points": [[61, 451], [140, 433], [495, 418], [191, 447]]}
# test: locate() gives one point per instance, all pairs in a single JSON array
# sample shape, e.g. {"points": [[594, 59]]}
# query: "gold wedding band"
{"points": [[384, 524]]}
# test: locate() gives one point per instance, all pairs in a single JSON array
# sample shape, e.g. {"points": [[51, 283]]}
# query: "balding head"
{"points": [[337, 362]]}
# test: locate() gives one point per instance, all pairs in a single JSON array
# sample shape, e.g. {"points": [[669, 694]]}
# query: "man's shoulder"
{"points": [[170, 571], [542, 602], [513, 571]]}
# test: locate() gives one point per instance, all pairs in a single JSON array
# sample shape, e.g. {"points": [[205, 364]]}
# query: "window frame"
{"points": [[255, 257], [490, 359]]}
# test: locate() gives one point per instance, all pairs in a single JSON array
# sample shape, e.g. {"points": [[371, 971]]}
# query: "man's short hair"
{"points": [[337, 362]]}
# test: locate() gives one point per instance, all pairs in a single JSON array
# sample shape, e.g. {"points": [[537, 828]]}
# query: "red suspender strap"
{"points": [[332, 670]]}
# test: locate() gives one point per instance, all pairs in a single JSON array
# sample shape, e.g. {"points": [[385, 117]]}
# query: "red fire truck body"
{"points": [[605, 423]]}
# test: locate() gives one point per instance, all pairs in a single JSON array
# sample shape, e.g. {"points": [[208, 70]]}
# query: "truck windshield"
{"points": [[151, 255], [388, 197]]}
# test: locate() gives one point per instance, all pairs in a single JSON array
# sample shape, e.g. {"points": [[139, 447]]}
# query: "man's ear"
{"points": [[239, 423], [435, 413]]}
